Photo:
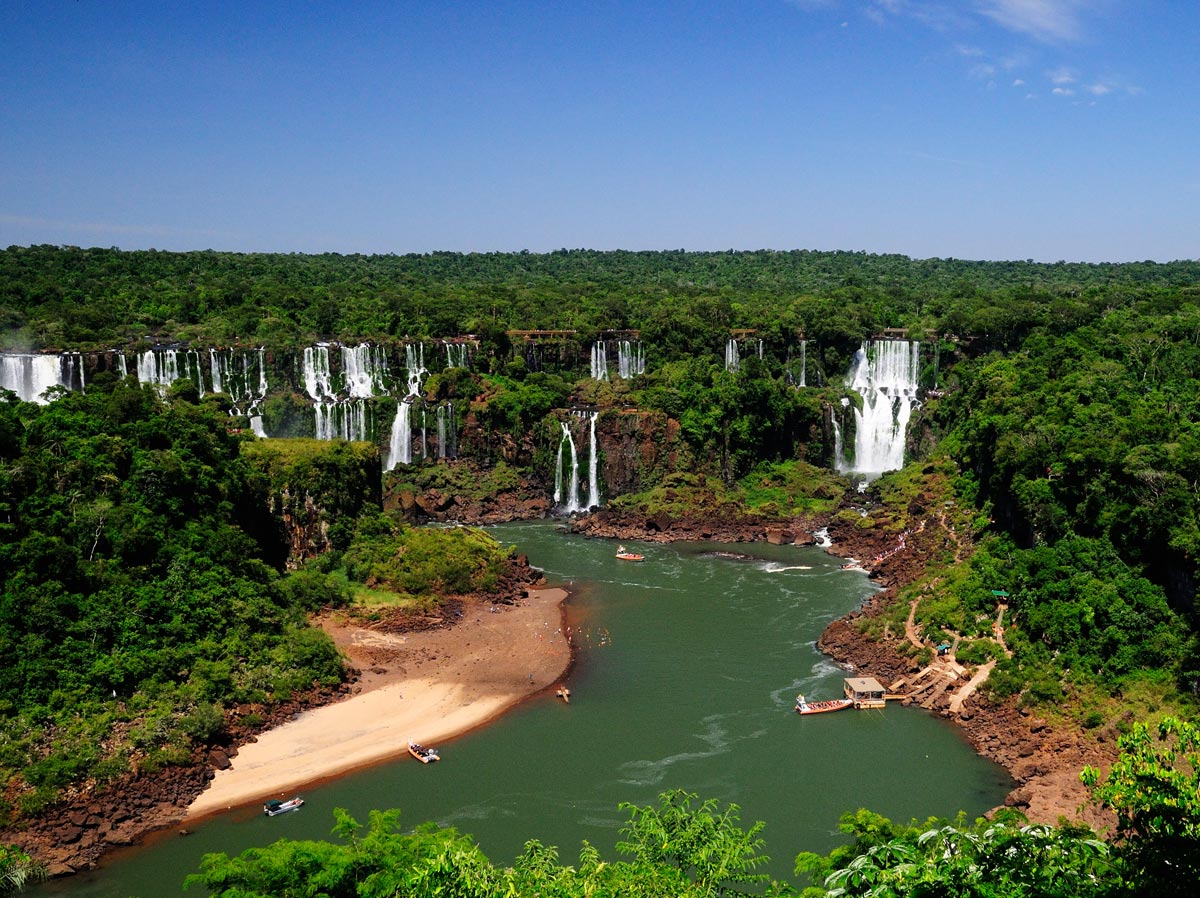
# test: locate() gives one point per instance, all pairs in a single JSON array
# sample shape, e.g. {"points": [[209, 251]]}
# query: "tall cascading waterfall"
{"points": [[803, 361], [760, 349], [364, 370], [885, 374], [630, 360], [122, 365], [599, 361], [316, 372], [29, 375], [593, 464], [567, 500], [441, 429], [732, 360], [400, 443], [334, 418]]}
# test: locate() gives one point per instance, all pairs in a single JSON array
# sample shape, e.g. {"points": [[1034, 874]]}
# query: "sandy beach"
{"points": [[427, 687]]}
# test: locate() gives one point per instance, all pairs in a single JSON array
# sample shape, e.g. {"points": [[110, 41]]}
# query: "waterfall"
{"points": [[630, 361], [159, 370], [568, 502], [803, 361], [365, 371], [341, 420], [884, 374], [30, 375], [456, 354], [599, 361], [256, 425], [445, 431], [71, 365], [316, 372], [760, 349], [400, 444], [593, 465], [732, 360], [400, 447], [122, 365]]}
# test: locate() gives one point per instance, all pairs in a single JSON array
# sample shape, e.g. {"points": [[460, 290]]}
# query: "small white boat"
{"points": [[274, 807], [423, 754], [625, 555]]}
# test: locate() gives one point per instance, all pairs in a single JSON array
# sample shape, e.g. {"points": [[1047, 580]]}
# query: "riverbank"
{"points": [[1044, 761], [425, 686]]}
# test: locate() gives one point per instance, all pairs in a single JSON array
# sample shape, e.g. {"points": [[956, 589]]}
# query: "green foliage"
{"points": [[17, 870], [138, 594], [1154, 789], [433, 562], [676, 850]]}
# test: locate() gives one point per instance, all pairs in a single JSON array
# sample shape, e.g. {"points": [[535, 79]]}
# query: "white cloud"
{"points": [[1062, 75], [1052, 21], [1063, 92], [1018, 82], [1099, 89]]}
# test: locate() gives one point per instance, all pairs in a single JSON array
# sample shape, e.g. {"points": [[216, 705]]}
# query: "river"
{"points": [[688, 665]]}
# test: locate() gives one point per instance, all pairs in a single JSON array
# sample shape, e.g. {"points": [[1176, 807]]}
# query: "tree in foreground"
{"points": [[1154, 789], [677, 850]]}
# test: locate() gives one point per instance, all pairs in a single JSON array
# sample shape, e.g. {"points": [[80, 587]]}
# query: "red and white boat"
{"points": [[625, 555], [803, 706]]}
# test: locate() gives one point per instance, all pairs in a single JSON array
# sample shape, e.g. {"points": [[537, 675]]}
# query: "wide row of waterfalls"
{"points": [[349, 386]]}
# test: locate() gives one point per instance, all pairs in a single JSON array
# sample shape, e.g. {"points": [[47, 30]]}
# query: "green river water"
{"points": [[686, 675]]}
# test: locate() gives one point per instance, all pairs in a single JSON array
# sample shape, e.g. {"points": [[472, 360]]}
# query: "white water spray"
{"points": [[885, 374]]}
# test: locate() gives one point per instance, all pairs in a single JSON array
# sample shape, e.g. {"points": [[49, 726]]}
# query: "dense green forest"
{"points": [[144, 576]]}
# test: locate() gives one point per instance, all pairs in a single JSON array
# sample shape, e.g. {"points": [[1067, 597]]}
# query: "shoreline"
{"points": [[428, 686], [1044, 762]]}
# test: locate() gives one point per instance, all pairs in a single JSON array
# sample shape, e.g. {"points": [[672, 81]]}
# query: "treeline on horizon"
{"points": [[683, 303]]}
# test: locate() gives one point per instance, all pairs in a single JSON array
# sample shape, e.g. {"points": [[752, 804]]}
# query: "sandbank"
{"points": [[426, 687]]}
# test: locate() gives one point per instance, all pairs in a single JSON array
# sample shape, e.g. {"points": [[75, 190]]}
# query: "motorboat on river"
{"points": [[803, 706], [423, 754], [275, 807], [625, 555]]}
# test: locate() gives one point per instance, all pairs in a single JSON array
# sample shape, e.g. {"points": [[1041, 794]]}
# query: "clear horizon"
{"points": [[982, 129]]}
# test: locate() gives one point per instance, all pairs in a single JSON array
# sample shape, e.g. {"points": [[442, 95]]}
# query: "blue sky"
{"points": [[980, 129]]}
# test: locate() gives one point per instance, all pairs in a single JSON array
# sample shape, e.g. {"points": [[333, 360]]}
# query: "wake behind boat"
{"points": [[423, 754], [804, 706], [625, 555]]}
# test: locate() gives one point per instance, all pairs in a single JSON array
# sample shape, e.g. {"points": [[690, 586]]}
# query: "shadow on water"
{"points": [[687, 669]]}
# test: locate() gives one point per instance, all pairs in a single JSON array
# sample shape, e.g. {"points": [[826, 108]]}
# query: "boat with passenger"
{"points": [[423, 754], [803, 706], [274, 807], [625, 555]]}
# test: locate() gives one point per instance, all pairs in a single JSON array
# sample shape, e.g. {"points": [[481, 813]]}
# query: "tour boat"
{"points": [[275, 806], [807, 707], [625, 555], [564, 693], [423, 754]]}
